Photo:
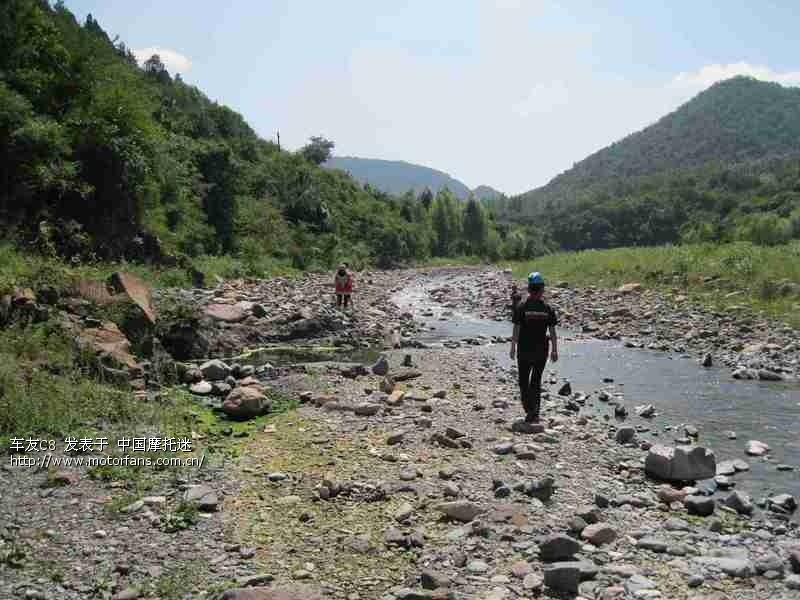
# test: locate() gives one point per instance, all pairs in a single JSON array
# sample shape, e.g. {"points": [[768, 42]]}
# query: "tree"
{"points": [[318, 150], [426, 198], [475, 227]]}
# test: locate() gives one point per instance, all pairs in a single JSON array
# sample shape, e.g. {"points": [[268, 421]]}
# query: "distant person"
{"points": [[533, 318], [343, 282]]}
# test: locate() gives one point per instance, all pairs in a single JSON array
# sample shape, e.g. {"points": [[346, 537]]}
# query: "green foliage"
{"points": [[765, 278], [98, 155], [317, 151], [737, 121], [182, 517]]}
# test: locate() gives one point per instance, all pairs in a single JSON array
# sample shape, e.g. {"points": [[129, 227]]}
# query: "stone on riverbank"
{"points": [[246, 403], [669, 463]]}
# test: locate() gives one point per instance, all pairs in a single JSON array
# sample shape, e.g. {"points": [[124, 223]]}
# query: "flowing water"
{"points": [[681, 391]]}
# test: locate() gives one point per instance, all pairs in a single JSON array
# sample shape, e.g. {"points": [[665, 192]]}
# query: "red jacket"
{"points": [[344, 283]]}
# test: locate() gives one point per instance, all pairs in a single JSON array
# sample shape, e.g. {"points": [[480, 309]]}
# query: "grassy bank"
{"points": [[34, 270], [718, 275]]}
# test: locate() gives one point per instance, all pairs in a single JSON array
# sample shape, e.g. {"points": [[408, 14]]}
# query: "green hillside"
{"points": [[723, 167], [739, 120], [104, 159]]}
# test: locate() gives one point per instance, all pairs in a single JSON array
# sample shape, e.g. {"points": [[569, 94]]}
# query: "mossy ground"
{"points": [[288, 536]]}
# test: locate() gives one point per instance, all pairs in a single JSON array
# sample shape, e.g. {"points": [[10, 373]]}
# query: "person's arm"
{"points": [[553, 344], [553, 335], [514, 340]]}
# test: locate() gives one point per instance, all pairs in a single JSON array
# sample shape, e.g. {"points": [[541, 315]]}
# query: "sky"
{"points": [[507, 93]]}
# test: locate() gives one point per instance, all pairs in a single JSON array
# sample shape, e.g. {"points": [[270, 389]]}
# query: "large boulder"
{"points": [[227, 313], [246, 402], [215, 370], [110, 344], [669, 463], [136, 290]]}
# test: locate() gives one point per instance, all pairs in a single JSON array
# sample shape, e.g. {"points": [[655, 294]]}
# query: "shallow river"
{"points": [[681, 391]]}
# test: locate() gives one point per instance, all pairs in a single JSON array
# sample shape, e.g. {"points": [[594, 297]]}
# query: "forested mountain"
{"points": [[485, 192], [740, 120], [103, 158], [724, 166], [397, 176]]}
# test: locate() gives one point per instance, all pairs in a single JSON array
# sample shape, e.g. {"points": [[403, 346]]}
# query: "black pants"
{"points": [[343, 299], [531, 368]]}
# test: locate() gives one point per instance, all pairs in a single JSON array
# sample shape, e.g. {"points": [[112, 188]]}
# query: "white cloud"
{"points": [[173, 60], [711, 74]]}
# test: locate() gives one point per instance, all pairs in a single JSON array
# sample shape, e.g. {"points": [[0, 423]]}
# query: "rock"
{"points": [[668, 494], [246, 403], [215, 370], [784, 503], [395, 537], [558, 547], [524, 452], [629, 288], [699, 505], [680, 464], [403, 512], [432, 580], [381, 367], [792, 582], [691, 431], [408, 361], [540, 488], [201, 388], [740, 502], [769, 562], [794, 560], [707, 361], [565, 390], [270, 593], [395, 437], [366, 409], [460, 510], [735, 567], [503, 448], [521, 569], [620, 411], [444, 440], [203, 496], [129, 593], [646, 411], [107, 341], [228, 313], [653, 544], [756, 448], [726, 468], [64, 477], [625, 435], [136, 290], [767, 375], [476, 567], [599, 534], [563, 577]]}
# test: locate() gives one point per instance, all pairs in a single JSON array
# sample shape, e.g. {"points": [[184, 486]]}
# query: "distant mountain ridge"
{"points": [[739, 120], [397, 176]]}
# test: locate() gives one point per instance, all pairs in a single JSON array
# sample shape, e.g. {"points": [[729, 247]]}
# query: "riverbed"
{"points": [[682, 392]]}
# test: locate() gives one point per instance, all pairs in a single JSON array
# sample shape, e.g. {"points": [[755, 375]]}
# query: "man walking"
{"points": [[533, 319]]}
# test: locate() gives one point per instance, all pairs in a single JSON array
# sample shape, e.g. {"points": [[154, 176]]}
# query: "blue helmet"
{"points": [[535, 278]]}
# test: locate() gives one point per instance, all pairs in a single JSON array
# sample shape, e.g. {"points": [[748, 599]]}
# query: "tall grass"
{"points": [[720, 275]]}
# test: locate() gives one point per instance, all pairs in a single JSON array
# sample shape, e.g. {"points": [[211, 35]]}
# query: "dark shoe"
{"points": [[531, 418]]}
